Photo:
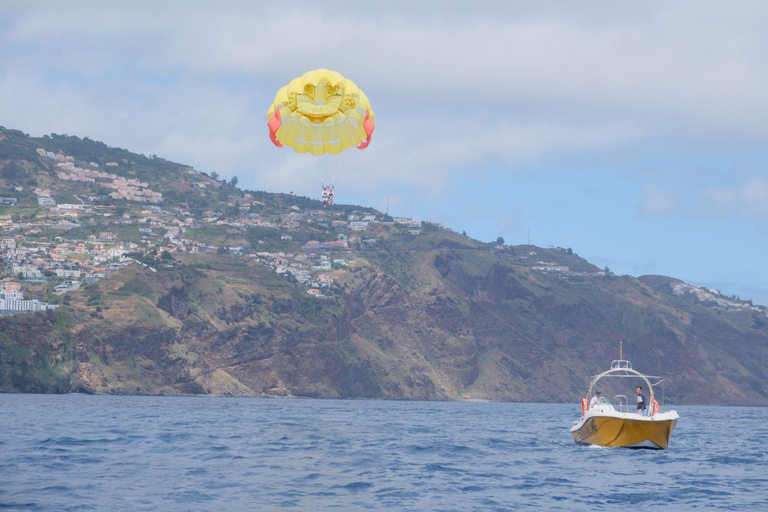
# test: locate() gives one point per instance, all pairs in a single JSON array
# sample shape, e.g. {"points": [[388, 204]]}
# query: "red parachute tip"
{"points": [[274, 124], [368, 126]]}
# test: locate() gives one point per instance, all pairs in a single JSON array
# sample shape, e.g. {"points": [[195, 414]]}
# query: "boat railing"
{"points": [[621, 364], [621, 403]]}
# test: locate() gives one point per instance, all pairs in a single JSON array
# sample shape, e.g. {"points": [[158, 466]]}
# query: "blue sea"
{"points": [[80, 452]]}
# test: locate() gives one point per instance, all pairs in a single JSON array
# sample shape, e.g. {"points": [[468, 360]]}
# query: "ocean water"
{"points": [[79, 452]]}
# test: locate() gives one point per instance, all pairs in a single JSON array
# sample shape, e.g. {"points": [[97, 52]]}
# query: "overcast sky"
{"points": [[632, 132]]}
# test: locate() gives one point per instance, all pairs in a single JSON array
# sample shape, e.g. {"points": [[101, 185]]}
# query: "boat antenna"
{"points": [[620, 351]]}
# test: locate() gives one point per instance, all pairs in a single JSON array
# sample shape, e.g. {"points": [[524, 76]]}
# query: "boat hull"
{"points": [[624, 431]]}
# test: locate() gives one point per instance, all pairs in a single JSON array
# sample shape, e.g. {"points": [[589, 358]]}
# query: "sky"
{"points": [[632, 132]]}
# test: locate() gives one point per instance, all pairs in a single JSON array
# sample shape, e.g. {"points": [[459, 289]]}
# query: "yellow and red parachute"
{"points": [[321, 112]]}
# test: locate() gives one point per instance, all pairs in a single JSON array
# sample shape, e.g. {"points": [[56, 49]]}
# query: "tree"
{"points": [[500, 240], [215, 175], [607, 270], [233, 181]]}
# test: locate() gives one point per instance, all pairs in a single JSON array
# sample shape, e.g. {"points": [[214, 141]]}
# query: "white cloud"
{"points": [[454, 88], [658, 201], [749, 200]]}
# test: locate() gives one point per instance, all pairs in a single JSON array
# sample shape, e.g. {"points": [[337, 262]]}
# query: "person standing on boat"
{"points": [[640, 401], [595, 399]]}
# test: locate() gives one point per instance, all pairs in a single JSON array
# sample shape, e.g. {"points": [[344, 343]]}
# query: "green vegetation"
{"points": [[137, 287], [219, 236]]}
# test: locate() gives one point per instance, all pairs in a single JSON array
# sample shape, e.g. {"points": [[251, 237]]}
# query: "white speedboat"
{"points": [[613, 424]]}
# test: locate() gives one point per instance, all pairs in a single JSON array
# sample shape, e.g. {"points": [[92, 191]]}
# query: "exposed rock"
{"points": [[175, 303]]}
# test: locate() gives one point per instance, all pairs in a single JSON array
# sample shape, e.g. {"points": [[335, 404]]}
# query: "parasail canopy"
{"points": [[320, 112]]}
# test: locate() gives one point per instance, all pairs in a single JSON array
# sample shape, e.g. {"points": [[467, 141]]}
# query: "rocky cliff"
{"points": [[475, 326], [411, 314]]}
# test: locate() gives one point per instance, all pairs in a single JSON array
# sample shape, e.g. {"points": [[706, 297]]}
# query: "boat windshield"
{"points": [[602, 402]]}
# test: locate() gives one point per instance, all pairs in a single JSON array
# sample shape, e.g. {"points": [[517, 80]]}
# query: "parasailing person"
{"points": [[321, 112]]}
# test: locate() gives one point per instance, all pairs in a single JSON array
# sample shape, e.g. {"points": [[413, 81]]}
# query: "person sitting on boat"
{"points": [[640, 401], [595, 399]]}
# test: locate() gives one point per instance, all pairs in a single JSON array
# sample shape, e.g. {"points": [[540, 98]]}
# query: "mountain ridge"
{"points": [[205, 289]]}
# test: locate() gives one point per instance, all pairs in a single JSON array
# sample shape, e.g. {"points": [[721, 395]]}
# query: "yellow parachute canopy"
{"points": [[320, 112]]}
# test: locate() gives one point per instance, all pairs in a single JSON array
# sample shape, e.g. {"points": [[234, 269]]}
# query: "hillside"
{"points": [[165, 280]]}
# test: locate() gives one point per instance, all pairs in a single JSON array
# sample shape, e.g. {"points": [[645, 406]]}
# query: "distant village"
{"points": [[13, 301], [72, 263], [717, 299], [124, 188], [68, 262]]}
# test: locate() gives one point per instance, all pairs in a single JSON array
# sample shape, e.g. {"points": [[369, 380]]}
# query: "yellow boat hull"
{"points": [[641, 432]]}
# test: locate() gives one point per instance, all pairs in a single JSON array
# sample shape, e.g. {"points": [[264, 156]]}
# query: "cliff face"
{"points": [[429, 316], [472, 325]]}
